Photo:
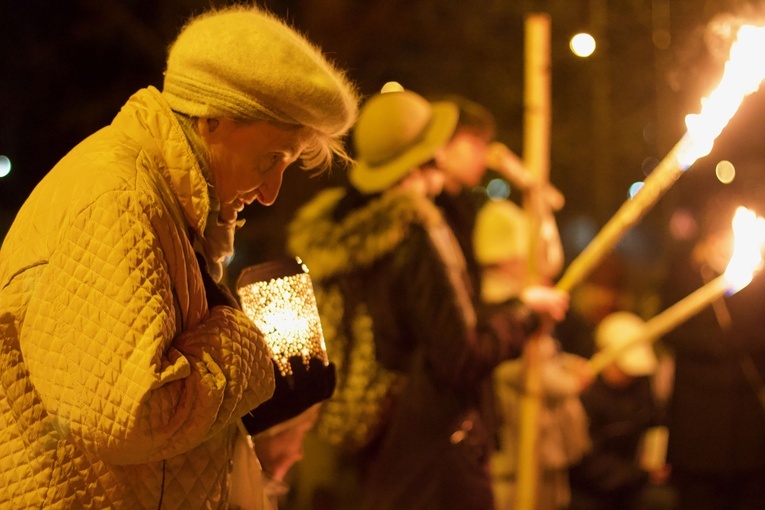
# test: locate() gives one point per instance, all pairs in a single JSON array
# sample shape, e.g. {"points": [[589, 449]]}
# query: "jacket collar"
{"points": [[147, 118], [330, 248]]}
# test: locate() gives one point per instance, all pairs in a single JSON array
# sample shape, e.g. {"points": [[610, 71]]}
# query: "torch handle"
{"points": [[631, 211]]}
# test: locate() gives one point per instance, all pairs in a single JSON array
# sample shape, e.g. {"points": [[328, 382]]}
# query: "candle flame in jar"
{"points": [[285, 310], [748, 242], [743, 74]]}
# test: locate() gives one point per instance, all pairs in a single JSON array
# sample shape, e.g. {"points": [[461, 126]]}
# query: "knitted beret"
{"points": [[246, 64], [616, 330], [501, 232]]}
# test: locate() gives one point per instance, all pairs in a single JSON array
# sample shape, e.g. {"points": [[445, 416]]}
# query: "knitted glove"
{"points": [[293, 393], [217, 293]]}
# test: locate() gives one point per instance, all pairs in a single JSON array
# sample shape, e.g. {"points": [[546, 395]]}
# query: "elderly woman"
{"points": [[125, 367]]}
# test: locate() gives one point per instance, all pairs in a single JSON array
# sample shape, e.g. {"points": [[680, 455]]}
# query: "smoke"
{"points": [[720, 32]]}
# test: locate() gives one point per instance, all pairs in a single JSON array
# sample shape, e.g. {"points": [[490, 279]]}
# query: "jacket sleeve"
{"points": [[426, 307], [109, 353]]}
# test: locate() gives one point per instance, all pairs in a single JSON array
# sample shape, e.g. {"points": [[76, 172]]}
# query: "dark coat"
{"points": [[619, 417], [717, 423], [460, 213], [434, 452]]}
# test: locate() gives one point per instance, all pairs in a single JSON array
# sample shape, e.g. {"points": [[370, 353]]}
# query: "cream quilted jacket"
{"points": [[118, 387]]}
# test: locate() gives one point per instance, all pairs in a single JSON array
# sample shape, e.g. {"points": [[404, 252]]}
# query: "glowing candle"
{"points": [[278, 297]]}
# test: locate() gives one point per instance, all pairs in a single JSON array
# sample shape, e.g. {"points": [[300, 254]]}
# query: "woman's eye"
{"points": [[269, 162]]}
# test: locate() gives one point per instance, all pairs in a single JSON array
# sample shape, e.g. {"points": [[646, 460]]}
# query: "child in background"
{"points": [[622, 409], [501, 241]]}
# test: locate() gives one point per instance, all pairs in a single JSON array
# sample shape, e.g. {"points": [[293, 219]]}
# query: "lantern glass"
{"points": [[278, 297]]}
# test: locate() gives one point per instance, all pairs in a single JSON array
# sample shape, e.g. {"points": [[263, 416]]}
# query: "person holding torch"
{"points": [[501, 241], [621, 409], [714, 451], [381, 248], [717, 407]]}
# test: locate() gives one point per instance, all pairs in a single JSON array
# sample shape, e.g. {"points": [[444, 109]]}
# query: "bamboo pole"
{"points": [[743, 75], [666, 321], [745, 262], [536, 155], [631, 211]]}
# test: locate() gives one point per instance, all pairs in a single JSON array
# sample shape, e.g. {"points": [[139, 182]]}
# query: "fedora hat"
{"points": [[396, 132]]}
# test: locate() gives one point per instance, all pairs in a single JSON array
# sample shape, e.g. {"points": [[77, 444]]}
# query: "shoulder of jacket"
{"points": [[330, 247]]}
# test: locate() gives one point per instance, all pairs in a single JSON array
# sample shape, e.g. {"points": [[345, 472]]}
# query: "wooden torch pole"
{"points": [[536, 160]]}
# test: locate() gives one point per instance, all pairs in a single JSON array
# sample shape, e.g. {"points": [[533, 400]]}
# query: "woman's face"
{"points": [[248, 160]]}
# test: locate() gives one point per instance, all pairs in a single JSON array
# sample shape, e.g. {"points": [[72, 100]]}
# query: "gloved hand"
{"points": [[293, 394], [217, 293]]}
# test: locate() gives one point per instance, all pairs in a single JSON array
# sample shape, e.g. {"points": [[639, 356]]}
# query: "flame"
{"points": [[284, 309], [743, 73], [748, 242]]}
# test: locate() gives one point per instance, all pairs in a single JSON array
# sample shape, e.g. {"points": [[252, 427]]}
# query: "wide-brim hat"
{"points": [[395, 133], [619, 328]]}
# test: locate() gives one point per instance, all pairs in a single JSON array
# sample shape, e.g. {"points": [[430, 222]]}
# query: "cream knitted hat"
{"points": [[620, 328], [501, 233], [246, 64]]}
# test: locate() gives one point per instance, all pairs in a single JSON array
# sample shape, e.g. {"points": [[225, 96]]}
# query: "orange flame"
{"points": [[743, 73], [748, 243]]}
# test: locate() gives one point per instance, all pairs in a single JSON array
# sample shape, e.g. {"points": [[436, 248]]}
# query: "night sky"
{"points": [[68, 66]]}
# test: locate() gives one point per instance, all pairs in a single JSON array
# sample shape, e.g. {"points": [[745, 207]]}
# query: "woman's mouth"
{"points": [[238, 205]]}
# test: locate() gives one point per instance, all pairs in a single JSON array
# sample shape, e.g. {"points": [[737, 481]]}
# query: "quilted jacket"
{"points": [[119, 388]]}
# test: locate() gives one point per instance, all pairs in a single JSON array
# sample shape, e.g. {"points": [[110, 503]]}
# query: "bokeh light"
{"points": [[582, 45], [577, 232], [649, 164], [5, 166], [725, 172], [635, 187], [498, 189], [649, 133], [392, 86], [683, 225]]}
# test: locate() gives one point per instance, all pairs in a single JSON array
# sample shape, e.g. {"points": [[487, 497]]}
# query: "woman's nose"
{"points": [[269, 190]]}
